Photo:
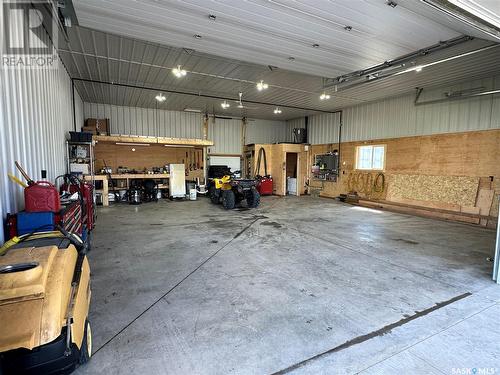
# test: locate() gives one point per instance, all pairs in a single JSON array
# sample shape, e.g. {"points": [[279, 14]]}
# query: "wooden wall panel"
{"points": [[146, 157]]}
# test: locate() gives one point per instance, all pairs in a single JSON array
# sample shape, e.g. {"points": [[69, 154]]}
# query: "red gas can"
{"points": [[41, 196], [265, 185]]}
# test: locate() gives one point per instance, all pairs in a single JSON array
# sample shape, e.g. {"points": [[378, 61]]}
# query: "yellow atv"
{"points": [[231, 191], [44, 304]]}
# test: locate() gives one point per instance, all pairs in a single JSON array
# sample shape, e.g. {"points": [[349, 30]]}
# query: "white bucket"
{"points": [[192, 194]]}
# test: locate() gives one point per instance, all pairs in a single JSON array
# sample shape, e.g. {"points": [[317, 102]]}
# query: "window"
{"points": [[370, 157]]}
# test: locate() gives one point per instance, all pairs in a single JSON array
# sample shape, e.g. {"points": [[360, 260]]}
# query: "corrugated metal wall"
{"points": [[265, 131], [35, 116], [79, 111], [399, 117], [226, 135], [292, 124], [147, 121]]}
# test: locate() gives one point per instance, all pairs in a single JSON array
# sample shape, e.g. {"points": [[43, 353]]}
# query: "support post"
{"points": [[496, 260], [73, 103]]}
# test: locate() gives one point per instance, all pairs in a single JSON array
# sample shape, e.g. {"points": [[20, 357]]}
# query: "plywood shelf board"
{"points": [[154, 140]]}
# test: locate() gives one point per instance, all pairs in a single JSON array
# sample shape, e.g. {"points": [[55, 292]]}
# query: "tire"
{"points": [[213, 194], [228, 199], [86, 348], [253, 198]]}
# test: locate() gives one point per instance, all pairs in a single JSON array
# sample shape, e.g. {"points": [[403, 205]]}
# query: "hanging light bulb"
{"points": [[324, 96], [277, 111], [160, 97], [225, 104], [262, 86], [179, 72]]}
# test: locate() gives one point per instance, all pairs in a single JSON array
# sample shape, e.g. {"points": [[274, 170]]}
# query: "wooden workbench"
{"points": [[127, 176]]}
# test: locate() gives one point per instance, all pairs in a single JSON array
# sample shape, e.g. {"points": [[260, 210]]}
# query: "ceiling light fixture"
{"points": [[277, 111], [212, 17], [197, 36], [324, 96], [179, 72], [348, 28], [225, 104], [160, 97], [291, 58], [418, 69], [262, 86], [315, 45], [193, 110]]}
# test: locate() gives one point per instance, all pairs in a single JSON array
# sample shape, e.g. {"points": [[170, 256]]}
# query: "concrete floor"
{"points": [[300, 285]]}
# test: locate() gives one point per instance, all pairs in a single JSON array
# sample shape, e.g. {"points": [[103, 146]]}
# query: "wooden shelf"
{"points": [[154, 140]]}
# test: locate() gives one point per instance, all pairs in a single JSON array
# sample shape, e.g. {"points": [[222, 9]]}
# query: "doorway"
{"points": [[291, 173]]}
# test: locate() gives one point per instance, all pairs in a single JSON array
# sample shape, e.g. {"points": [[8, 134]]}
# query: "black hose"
{"points": [[262, 152], [379, 188]]}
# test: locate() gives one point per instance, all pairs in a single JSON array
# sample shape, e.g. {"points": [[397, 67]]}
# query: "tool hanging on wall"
{"points": [[265, 182]]}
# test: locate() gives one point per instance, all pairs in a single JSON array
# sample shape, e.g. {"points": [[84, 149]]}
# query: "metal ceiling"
{"points": [[105, 57], [351, 35]]}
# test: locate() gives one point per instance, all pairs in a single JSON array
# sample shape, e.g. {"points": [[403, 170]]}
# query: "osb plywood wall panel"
{"points": [[455, 160], [459, 190]]}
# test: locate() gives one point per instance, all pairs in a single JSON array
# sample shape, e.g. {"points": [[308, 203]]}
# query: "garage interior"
{"points": [[357, 231]]}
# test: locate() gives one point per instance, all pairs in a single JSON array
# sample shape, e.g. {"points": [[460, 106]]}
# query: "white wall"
{"points": [[265, 131], [35, 116], [79, 111], [147, 121], [399, 117], [226, 135]]}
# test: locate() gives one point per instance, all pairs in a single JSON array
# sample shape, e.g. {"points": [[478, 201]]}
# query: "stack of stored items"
{"points": [[96, 126], [45, 210]]}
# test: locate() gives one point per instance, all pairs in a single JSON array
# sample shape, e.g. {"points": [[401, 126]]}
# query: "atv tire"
{"points": [[213, 194], [86, 348], [253, 198], [228, 199]]}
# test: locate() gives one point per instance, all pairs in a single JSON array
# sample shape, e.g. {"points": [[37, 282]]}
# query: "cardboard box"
{"points": [[97, 126]]}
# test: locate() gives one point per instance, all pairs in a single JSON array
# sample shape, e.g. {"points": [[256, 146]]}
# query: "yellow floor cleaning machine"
{"points": [[44, 303]]}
